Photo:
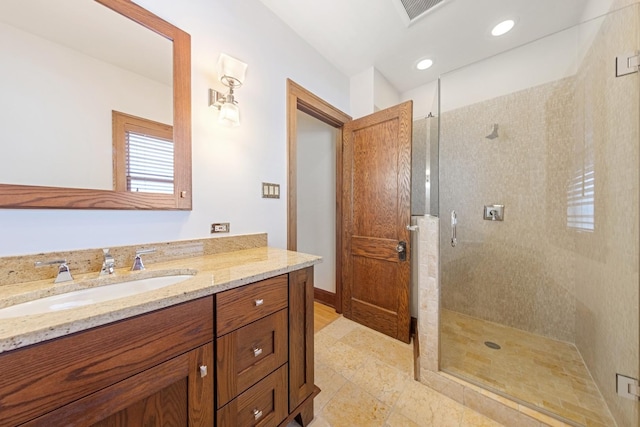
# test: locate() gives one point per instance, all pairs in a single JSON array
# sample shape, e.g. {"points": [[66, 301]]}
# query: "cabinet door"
{"points": [[43, 377], [300, 336], [177, 393]]}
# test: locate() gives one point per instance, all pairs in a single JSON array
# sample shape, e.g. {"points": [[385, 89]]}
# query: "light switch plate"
{"points": [[270, 190]]}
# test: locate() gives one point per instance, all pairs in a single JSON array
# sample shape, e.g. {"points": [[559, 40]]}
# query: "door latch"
{"points": [[402, 250]]}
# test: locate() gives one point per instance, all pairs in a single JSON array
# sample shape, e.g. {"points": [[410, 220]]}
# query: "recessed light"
{"points": [[503, 27], [424, 64]]}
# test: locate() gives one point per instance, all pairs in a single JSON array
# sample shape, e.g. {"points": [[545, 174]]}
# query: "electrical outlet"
{"points": [[221, 227]]}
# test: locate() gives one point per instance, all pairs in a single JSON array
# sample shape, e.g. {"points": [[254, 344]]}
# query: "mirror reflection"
{"points": [[67, 67]]}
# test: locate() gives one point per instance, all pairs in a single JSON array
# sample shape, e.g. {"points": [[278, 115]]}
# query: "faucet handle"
{"points": [[64, 275], [109, 264], [137, 262]]}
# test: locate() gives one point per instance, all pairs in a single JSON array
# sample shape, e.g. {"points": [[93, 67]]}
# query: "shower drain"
{"points": [[492, 345]]}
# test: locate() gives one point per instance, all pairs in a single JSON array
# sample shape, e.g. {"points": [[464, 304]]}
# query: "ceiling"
{"points": [[356, 35]]}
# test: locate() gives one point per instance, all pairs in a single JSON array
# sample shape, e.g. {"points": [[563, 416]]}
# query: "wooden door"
{"points": [[376, 211]]}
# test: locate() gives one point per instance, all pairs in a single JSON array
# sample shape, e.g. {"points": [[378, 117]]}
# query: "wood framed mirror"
{"points": [[20, 155]]}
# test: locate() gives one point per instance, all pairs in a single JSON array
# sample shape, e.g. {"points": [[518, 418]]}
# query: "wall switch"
{"points": [[221, 227], [270, 191]]}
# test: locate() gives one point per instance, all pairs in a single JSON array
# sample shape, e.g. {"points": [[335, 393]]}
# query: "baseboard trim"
{"points": [[325, 297]]}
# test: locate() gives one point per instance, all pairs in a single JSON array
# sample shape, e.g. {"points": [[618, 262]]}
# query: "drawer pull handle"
{"points": [[257, 414], [259, 302], [203, 371], [257, 352]]}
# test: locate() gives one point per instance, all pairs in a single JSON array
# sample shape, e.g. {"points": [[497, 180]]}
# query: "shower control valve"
{"points": [[494, 212]]}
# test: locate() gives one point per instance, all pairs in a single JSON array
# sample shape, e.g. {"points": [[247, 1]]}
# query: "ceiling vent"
{"points": [[414, 9]]}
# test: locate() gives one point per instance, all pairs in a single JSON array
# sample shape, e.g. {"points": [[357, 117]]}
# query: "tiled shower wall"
{"points": [[512, 272], [539, 270]]}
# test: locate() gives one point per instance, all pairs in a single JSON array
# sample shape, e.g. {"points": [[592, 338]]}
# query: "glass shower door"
{"points": [[539, 159]]}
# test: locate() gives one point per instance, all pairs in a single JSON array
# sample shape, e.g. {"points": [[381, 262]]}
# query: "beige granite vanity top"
{"points": [[215, 273]]}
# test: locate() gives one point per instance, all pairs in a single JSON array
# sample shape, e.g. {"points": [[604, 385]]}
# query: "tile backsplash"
{"points": [[19, 269]]}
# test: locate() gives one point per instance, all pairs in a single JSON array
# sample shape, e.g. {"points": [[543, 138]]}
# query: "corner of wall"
{"points": [[425, 99], [361, 93], [384, 94]]}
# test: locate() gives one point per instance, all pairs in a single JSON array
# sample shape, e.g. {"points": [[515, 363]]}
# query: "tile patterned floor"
{"points": [[538, 370], [367, 380]]}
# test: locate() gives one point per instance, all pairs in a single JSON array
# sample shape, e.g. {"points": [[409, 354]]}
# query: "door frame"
{"points": [[300, 99]]}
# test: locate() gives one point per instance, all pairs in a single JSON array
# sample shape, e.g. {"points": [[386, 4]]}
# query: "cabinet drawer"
{"points": [[248, 354], [263, 405], [238, 307]]}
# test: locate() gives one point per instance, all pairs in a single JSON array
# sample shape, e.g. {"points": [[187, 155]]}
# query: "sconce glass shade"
{"points": [[231, 72], [229, 114]]}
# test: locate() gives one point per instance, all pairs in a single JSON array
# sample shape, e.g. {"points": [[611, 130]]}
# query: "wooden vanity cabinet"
{"points": [[264, 352], [131, 372], [242, 357]]}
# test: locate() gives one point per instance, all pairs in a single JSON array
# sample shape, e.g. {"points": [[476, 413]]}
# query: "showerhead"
{"points": [[494, 132]]}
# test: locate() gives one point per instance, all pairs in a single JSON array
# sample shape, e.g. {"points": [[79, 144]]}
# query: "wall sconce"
{"points": [[231, 73]]}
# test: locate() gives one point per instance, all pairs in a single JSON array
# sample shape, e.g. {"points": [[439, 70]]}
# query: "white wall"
{"points": [[371, 92], [385, 95], [425, 99], [552, 58], [229, 164], [316, 196], [45, 87], [362, 93], [595, 8]]}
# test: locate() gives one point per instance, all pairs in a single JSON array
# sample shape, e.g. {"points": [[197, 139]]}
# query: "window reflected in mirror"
{"points": [[144, 155]]}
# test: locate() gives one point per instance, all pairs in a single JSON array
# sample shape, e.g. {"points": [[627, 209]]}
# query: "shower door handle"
{"points": [[454, 226]]}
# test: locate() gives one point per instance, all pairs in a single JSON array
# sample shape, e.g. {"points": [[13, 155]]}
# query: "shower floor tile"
{"points": [[534, 369]]}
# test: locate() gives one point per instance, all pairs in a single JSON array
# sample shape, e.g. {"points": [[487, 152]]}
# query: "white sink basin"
{"points": [[90, 296]]}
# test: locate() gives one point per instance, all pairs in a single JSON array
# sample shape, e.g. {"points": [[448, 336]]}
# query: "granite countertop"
{"points": [[213, 273]]}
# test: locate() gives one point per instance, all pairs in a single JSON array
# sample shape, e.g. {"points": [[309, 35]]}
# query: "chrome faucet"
{"points": [[109, 264], [137, 261], [64, 275]]}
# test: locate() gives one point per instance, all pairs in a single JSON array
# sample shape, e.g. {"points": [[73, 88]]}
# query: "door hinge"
{"points": [[627, 387], [627, 63]]}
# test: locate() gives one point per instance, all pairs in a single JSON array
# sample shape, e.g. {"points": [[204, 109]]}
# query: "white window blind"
{"points": [[581, 193], [149, 163]]}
